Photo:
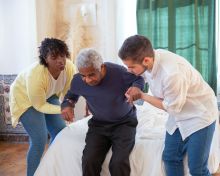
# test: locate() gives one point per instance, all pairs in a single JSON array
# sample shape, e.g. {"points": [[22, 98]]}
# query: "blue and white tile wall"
{"points": [[7, 132]]}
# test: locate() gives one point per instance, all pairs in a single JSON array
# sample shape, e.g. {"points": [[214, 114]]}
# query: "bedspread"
{"points": [[63, 157]]}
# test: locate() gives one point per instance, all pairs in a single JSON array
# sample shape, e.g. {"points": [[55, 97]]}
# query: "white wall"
{"points": [[125, 22], [17, 35], [18, 43], [107, 22], [46, 11], [100, 35]]}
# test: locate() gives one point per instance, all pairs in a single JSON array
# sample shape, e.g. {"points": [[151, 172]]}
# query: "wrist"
{"points": [[145, 97], [67, 103], [71, 102], [142, 95]]}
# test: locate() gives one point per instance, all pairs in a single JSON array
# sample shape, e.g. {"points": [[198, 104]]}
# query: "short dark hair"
{"points": [[52, 46], [136, 47]]}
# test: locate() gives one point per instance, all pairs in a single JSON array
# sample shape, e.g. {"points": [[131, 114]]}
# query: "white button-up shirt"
{"points": [[188, 99]]}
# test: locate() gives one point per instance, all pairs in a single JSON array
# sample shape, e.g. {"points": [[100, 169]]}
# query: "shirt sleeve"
{"points": [[132, 80], [36, 92], [70, 98], [175, 92]]}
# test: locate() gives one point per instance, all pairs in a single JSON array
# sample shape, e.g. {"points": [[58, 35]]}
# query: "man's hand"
{"points": [[68, 114], [133, 93]]}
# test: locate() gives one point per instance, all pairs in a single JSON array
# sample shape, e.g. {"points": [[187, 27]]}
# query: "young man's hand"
{"points": [[133, 94], [68, 114]]}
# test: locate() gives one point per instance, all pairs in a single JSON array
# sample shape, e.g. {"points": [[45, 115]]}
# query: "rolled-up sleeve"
{"points": [[175, 92]]}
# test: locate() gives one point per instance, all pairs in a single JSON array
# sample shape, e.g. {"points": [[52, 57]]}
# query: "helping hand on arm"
{"points": [[68, 113], [134, 93], [67, 106]]}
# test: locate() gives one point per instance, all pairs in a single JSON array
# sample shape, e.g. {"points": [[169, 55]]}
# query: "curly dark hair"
{"points": [[52, 46], [136, 47]]}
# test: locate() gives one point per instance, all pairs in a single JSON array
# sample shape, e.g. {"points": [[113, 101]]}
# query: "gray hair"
{"points": [[89, 57]]}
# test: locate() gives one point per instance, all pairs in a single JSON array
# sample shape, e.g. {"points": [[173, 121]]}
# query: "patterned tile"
{"points": [[6, 128]]}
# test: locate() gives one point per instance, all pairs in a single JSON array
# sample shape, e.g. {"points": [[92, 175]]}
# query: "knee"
{"points": [[175, 159], [169, 155], [90, 159], [198, 170], [87, 159], [166, 157], [38, 143], [117, 162]]}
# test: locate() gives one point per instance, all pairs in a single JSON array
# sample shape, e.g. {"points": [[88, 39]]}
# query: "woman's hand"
{"points": [[68, 114]]}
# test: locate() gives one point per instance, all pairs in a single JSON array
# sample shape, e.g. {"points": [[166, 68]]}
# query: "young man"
{"points": [[114, 121], [180, 90]]}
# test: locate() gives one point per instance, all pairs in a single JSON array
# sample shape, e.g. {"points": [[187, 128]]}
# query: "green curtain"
{"points": [[185, 27]]}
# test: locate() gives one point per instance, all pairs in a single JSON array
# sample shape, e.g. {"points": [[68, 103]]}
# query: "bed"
{"points": [[63, 157]]}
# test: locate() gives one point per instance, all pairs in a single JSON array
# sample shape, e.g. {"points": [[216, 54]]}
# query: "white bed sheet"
{"points": [[63, 157]]}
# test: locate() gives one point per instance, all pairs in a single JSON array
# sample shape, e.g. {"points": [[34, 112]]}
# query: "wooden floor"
{"points": [[13, 159]]}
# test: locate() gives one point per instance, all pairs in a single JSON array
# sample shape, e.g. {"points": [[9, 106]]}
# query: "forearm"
{"points": [[48, 108], [69, 100], [157, 102], [68, 105]]}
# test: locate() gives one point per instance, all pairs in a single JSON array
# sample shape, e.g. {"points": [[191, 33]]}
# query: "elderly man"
{"points": [[113, 124]]}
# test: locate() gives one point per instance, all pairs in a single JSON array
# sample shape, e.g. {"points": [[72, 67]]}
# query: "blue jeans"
{"points": [[197, 146], [36, 124]]}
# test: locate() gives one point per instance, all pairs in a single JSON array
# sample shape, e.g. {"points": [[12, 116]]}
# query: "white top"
{"points": [[56, 85], [188, 99]]}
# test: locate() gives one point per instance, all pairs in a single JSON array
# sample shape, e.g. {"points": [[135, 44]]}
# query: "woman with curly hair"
{"points": [[34, 97]]}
